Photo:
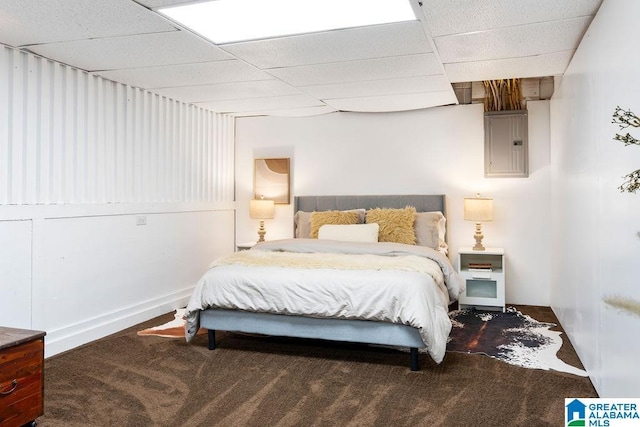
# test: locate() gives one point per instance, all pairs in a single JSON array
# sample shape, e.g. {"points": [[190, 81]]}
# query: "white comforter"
{"points": [[414, 289]]}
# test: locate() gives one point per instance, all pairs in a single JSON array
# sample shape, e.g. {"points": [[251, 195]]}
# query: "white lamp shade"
{"points": [[478, 209], [261, 209]]}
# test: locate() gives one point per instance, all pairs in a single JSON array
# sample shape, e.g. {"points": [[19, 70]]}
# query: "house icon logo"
{"points": [[576, 413]]}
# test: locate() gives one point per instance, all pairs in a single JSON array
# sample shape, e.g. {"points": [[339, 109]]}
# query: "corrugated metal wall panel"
{"points": [[67, 136]]}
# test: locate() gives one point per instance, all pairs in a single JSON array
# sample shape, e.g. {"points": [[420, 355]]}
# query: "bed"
{"points": [[389, 293]]}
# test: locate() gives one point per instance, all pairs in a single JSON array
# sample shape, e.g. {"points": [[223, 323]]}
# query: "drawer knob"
{"points": [[14, 386]]}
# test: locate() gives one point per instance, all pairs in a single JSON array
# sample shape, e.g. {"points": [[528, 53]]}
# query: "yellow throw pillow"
{"points": [[396, 225], [318, 219]]}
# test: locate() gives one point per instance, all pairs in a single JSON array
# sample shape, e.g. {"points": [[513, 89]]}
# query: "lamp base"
{"points": [[261, 232], [478, 236]]}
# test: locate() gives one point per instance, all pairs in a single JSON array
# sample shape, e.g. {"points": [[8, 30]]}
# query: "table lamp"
{"points": [[478, 209], [261, 209]]}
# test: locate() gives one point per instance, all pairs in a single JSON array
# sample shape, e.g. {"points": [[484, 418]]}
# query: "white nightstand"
{"points": [[483, 272], [245, 246]]}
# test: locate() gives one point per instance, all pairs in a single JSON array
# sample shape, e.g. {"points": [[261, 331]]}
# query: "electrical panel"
{"points": [[506, 144]]}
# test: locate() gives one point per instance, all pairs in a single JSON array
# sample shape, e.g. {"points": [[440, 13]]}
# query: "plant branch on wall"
{"points": [[625, 119]]}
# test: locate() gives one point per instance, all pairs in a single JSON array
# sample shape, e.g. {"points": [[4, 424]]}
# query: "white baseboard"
{"points": [[88, 330]]}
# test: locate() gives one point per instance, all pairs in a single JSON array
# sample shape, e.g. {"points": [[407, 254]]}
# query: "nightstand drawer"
{"points": [[479, 274], [484, 276], [21, 382], [24, 403], [20, 361], [481, 289]]}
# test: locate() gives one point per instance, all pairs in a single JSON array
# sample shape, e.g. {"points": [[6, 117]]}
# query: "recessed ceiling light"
{"points": [[225, 21]]}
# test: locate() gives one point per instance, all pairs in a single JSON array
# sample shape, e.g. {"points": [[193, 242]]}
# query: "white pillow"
{"points": [[350, 233]]}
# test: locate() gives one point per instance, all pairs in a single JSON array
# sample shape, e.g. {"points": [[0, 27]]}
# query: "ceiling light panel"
{"points": [[376, 41], [224, 21]]}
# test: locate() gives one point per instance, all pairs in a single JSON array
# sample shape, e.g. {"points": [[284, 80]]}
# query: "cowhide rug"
{"points": [[172, 329], [511, 337]]}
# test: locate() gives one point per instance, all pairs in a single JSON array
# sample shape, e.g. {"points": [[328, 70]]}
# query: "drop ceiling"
{"points": [[391, 67]]}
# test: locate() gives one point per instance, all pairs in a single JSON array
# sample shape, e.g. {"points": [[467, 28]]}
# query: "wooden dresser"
{"points": [[21, 376]]}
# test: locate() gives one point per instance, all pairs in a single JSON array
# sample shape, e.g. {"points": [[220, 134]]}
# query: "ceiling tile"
{"points": [[142, 50], [292, 112], [186, 74], [368, 69], [525, 40], [387, 67], [403, 102], [445, 17], [161, 3], [531, 66], [225, 91], [259, 104], [27, 22], [379, 87], [377, 41]]}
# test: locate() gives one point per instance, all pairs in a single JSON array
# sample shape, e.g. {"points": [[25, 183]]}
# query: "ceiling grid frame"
{"points": [[129, 42]]}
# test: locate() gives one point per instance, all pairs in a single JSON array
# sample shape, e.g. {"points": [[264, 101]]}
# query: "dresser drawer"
{"points": [[21, 383]]}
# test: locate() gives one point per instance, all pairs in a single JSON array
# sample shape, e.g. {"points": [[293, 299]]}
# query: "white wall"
{"points": [[83, 161], [70, 137], [82, 275], [597, 248], [434, 151]]}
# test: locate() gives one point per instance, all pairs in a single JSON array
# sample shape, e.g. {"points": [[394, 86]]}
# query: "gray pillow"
{"points": [[430, 230]]}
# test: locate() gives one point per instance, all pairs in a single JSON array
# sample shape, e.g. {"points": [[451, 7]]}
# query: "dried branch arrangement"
{"points": [[624, 119], [502, 95]]}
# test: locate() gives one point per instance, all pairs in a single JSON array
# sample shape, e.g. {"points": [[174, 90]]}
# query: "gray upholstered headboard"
{"points": [[422, 203]]}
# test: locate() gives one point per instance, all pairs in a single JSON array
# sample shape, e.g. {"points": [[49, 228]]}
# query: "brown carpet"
{"points": [[128, 380]]}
